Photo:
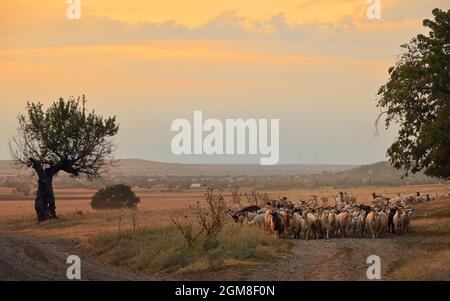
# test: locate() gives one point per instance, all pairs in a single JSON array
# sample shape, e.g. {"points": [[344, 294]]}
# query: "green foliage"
{"points": [[417, 98], [112, 197], [64, 137]]}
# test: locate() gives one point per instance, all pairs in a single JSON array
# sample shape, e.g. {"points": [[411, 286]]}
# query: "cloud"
{"points": [[401, 19]]}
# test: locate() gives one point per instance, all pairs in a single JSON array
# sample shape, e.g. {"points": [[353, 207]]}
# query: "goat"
{"points": [[258, 221], [343, 222], [391, 228], [398, 221], [296, 225], [382, 223], [371, 223], [308, 225], [251, 216], [276, 224], [328, 223]]}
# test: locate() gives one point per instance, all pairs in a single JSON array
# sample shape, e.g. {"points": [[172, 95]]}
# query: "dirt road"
{"points": [[334, 259], [42, 258]]}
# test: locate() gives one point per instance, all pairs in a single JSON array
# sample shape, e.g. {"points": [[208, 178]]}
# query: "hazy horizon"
{"points": [[231, 163]]}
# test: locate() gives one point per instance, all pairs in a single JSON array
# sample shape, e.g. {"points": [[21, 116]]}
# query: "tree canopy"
{"points": [[65, 137], [417, 98]]}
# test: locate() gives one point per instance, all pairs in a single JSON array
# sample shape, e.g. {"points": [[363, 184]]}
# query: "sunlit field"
{"points": [[134, 241], [79, 199]]}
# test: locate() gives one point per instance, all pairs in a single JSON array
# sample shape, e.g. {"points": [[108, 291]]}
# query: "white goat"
{"points": [[258, 221]]}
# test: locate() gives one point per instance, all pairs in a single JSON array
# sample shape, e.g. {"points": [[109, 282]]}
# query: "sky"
{"points": [[315, 65]]}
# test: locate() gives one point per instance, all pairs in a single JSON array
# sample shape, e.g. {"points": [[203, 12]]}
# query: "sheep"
{"points": [[395, 201], [332, 223], [371, 223], [412, 198], [308, 219], [308, 225], [421, 199], [358, 219], [382, 223], [267, 218], [338, 203], [296, 224], [376, 195], [258, 221], [354, 218], [343, 222], [347, 198], [398, 221], [316, 225], [328, 223], [285, 220], [377, 202], [404, 220], [401, 220], [251, 216]]}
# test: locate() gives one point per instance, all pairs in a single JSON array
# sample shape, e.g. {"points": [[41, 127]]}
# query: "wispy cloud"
{"points": [[51, 29]]}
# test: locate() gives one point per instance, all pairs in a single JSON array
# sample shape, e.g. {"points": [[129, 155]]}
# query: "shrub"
{"points": [[113, 197], [211, 219]]}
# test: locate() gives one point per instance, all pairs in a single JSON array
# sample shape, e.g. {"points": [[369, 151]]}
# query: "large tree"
{"points": [[64, 137], [417, 98]]}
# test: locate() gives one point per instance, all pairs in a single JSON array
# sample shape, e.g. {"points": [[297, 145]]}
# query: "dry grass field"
{"points": [[244, 253]]}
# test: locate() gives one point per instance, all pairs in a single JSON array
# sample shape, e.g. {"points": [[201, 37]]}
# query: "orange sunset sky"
{"points": [[314, 64]]}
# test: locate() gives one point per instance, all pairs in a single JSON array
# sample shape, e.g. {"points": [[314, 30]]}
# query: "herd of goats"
{"points": [[311, 220]]}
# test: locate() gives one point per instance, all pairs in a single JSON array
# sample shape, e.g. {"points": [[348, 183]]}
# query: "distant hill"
{"points": [[382, 167], [143, 167], [381, 173], [137, 167]]}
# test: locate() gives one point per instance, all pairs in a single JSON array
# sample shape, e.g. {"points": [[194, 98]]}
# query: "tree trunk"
{"points": [[45, 198]]}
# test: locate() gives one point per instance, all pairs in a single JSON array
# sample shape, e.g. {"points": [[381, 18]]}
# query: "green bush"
{"points": [[114, 197]]}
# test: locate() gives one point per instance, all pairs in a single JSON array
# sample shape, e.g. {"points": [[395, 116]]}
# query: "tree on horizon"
{"points": [[64, 137]]}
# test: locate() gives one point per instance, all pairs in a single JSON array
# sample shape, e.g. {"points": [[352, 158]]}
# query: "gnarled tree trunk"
{"points": [[45, 198]]}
